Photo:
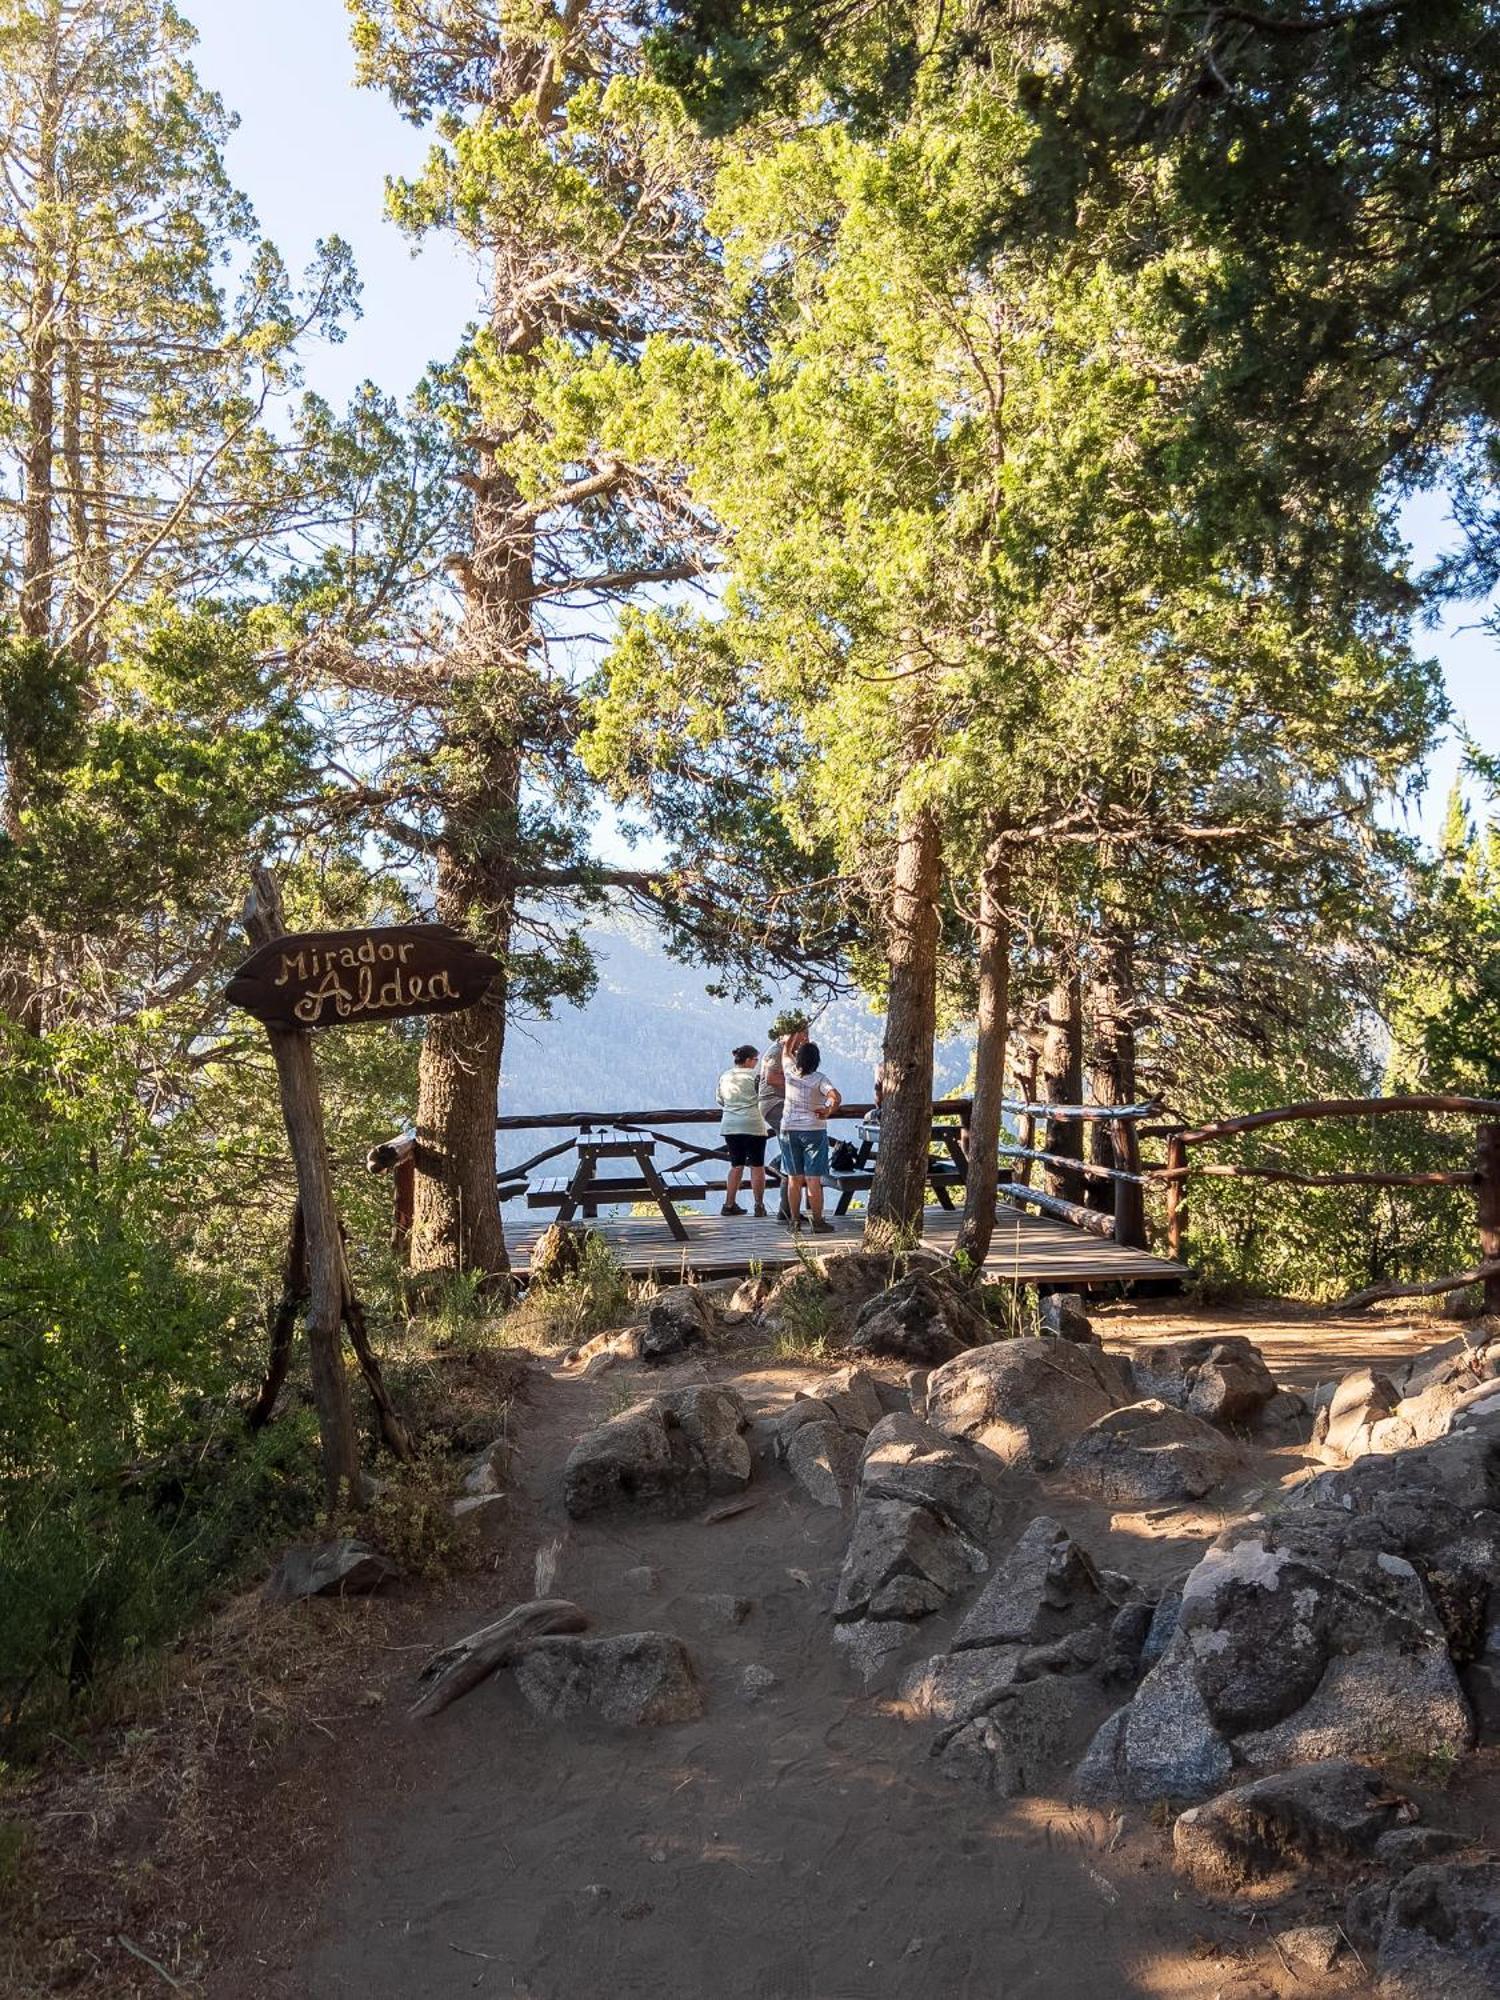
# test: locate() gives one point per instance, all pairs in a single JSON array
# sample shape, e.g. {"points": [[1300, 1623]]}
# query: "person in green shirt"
{"points": [[743, 1129]]}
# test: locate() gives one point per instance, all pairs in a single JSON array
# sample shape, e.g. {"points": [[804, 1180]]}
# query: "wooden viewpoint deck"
{"points": [[1026, 1249]]}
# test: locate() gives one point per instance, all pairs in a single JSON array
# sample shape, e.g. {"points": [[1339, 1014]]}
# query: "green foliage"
{"points": [[576, 1305], [146, 801], [128, 1486], [1446, 994]]}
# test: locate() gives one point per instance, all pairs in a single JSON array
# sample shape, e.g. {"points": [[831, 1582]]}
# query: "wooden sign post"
{"points": [[322, 979]]}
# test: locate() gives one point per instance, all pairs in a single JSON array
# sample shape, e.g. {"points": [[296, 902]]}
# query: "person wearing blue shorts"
{"points": [[811, 1101]]}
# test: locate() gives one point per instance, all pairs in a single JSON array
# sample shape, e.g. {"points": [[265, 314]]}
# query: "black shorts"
{"points": [[745, 1150]]}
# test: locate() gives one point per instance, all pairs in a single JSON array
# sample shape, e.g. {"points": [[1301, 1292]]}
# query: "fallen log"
{"points": [[467, 1662], [1357, 1301]]}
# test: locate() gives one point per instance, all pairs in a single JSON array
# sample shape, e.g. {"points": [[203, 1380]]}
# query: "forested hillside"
{"points": [[651, 1036]]}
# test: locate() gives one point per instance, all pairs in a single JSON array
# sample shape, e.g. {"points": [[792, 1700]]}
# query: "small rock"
{"points": [[1259, 1836], [868, 1643], [722, 1608], [852, 1396], [924, 1318], [1441, 1935], [905, 1459], [901, 1553], [677, 1319], [756, 1681], [824, 1461], [472, 1506], [1011, 1747], [749, 1296], [955, 1687], [632, 1677], [1025, 1400], [1047, 1586], [1363, 1398], [345, 1568], [1074, 1653], [1364, 1910], [1316, 1946], [801, 1410], [1407, 1846], [642, 1578], [1149, 1453], [1064, 1317], [557, 1253], [484, 1473], [1285, 1409], [667, 1454], [1221, 1378]]}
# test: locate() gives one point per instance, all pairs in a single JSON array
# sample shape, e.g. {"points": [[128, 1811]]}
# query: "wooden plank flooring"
{"points": [[1026, 1248]]}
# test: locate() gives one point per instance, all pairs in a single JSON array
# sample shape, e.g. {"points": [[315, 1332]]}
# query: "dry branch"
{"points": [[467, 1662], [1357, 1301]]}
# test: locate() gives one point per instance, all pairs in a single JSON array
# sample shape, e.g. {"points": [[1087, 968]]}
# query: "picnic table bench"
{"points": [[943, 1173], [587, 1189]]}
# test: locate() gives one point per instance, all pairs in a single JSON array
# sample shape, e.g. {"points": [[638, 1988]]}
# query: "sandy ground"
{"points": [[801, 1848]]}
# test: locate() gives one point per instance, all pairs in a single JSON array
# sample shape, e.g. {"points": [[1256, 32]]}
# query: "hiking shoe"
{"points": [[760, 1208], [822, 1228], [727, 1210]]}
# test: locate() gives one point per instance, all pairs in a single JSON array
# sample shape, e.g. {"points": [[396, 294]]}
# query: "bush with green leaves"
{"points": [[129, 1485]]}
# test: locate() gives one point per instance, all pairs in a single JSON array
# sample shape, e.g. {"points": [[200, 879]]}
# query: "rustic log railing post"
{"points": [[1176, 1194], [1487, 1194]]}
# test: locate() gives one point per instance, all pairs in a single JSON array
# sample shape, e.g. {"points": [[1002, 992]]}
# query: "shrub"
{"points": [[128, 1485]]}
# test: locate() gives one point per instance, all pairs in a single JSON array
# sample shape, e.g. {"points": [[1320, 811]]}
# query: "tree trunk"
{"points": [[1114, 1082], [1062, 1083], [900, 1184], [456, 1214], [991, 1041], [41, 400]]}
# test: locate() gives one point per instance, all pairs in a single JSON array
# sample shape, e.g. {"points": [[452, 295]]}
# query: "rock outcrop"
{"points": [[1025, 1400], [1337, 1629], [631, 1677], [1147, 1453], [1221, 1378], [666, 1454]]}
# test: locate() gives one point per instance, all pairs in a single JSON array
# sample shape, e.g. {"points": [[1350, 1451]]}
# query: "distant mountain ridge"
{"points": [[652, 1037]]}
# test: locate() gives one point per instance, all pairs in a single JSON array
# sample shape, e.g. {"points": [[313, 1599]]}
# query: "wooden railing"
{"points": [[1483, 1177], [1130, 1123]]}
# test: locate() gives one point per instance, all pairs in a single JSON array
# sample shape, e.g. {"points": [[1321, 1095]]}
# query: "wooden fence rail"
{"points": [[1484, 1177], [1172, 1175]]}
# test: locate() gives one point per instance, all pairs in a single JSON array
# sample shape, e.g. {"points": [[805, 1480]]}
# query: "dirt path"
{"points": [[801, 1847]]}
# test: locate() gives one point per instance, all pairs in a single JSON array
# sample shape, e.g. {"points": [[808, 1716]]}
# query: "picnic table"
{"points": [[586, 1188], [947, 1167]]}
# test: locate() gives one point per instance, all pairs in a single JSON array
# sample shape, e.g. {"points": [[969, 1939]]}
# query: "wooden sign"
{"points": [[329, 979]]}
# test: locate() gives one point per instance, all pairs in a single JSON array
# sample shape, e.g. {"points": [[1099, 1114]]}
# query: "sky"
{"points": [[313, 153]]}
